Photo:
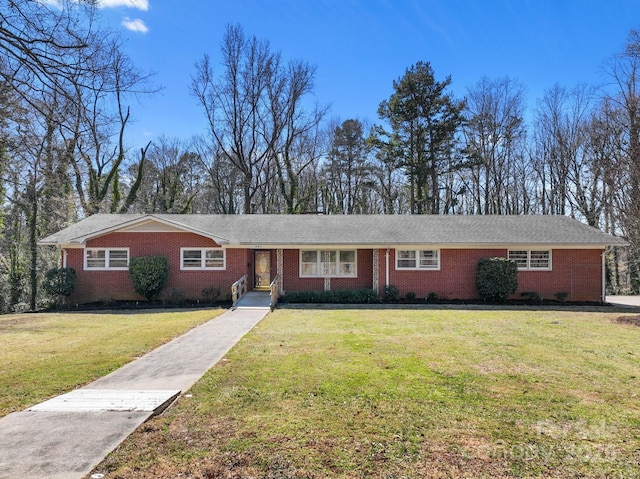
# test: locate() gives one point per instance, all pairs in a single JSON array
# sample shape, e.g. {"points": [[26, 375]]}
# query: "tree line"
{"points": [[66, 84]]}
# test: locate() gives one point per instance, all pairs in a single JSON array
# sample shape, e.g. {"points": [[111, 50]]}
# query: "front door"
{"points": [[262, 269]]}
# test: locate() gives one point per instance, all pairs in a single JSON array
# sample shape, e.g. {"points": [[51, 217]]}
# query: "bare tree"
{"points": [[624, 69], [174, 178], [348, 174], [255, 113], [495, 138], [45, 47], [235, 105]]}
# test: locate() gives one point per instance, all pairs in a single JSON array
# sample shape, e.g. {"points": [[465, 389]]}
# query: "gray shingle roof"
{"points": [[381, 230]]}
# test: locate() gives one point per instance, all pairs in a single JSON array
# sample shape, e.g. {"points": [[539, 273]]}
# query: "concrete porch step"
{"points": [[102, 400]]}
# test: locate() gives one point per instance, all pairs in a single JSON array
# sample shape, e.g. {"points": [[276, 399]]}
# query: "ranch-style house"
{"points": [[422, 254]]}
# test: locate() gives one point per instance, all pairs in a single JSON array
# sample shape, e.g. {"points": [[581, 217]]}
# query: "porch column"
{"points": [[376, 270], [327, 269], [280, 269]]}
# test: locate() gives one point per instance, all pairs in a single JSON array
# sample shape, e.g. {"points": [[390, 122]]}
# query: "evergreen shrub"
{"points": [[496, 279], [59, 283], [149, 274]]}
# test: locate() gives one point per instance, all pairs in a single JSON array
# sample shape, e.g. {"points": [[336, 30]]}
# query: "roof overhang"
{"points": [[418, 246], [136, 225]]}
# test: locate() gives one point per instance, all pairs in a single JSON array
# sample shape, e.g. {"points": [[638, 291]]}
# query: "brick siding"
{"points": [[115, 285], [576, 272]]}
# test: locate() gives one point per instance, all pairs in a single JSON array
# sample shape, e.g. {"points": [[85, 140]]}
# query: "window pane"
{"points": [[118, 258], [192, 258], [520, 257], [540, 259], [406, 259], [347, 256], [429, 259], [309, 269], [309, 263], [309, 256], [96, 258], [347, 263], [214, 258]]}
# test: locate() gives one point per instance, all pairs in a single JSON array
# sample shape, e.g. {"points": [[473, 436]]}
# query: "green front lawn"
{"points": [[398, 393], [43, 355]]}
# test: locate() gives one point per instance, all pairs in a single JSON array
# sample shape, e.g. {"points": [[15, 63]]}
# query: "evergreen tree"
{"points": [[424, 120]]}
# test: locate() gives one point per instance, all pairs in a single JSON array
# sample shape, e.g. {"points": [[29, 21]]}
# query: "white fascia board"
{"points": [[176, 224], [329, 246]]}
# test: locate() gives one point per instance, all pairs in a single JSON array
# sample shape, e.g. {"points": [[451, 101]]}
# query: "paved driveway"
{"points": [[624, 300]]}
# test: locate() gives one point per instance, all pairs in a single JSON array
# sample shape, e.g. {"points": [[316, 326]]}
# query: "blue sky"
{"points": [[360, 46]]}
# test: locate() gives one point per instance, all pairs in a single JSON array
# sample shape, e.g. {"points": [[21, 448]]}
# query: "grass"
{"points": [[43, 355], [395, 393]]}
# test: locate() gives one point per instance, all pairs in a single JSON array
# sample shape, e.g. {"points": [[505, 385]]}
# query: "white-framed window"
{"points": [[106, 258], [533, 259], [418, 259], [202, 258], [328, 263]]}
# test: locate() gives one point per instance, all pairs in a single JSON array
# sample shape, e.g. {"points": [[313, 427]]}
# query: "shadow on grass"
{"points": [[578, 307]]}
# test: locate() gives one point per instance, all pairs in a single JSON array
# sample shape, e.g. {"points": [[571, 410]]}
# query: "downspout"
{"points": [[386, 270], [63, 254], [604, 277]]}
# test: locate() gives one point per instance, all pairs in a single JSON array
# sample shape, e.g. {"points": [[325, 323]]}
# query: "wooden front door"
{"points": [[262, 269]]}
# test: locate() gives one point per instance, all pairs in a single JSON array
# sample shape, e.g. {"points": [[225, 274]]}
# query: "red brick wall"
{"points": [[577, 272], [292, 281], [455, 280], [116, 285]]}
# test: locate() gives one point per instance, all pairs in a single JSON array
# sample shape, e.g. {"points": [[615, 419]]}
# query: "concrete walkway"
{"points": [[626, 301], [67, 436]]}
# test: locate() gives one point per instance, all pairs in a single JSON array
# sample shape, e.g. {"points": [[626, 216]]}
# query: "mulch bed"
{"points": [[634, 320]]}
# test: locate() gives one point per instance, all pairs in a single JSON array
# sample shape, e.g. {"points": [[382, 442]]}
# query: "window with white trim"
{"points": [[202, 258], [531, 259], [418, 259], [328, 263], [102, 258]]}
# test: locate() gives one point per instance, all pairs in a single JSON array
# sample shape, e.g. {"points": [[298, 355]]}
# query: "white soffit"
{"points": [[153, 226]]}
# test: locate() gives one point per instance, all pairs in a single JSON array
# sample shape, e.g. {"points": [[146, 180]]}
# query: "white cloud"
{"points": [[139, 4], [135, 25]]}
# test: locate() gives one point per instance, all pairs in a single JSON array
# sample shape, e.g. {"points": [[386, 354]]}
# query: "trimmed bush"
{"points": [[432, 297], [341, 296], [391, 293], [149, 274], [210, 294], [496, 279], [532, 296], [59, 283], [561, 296]]}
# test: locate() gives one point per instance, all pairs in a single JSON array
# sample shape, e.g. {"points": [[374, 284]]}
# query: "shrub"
{"points": [[210, 294], [410, 295], [561, 296], [59, 283], [532, 296], [391, 293], [496, 278], [149, 275], [432, 297], [175, 297], [341, 296]]}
